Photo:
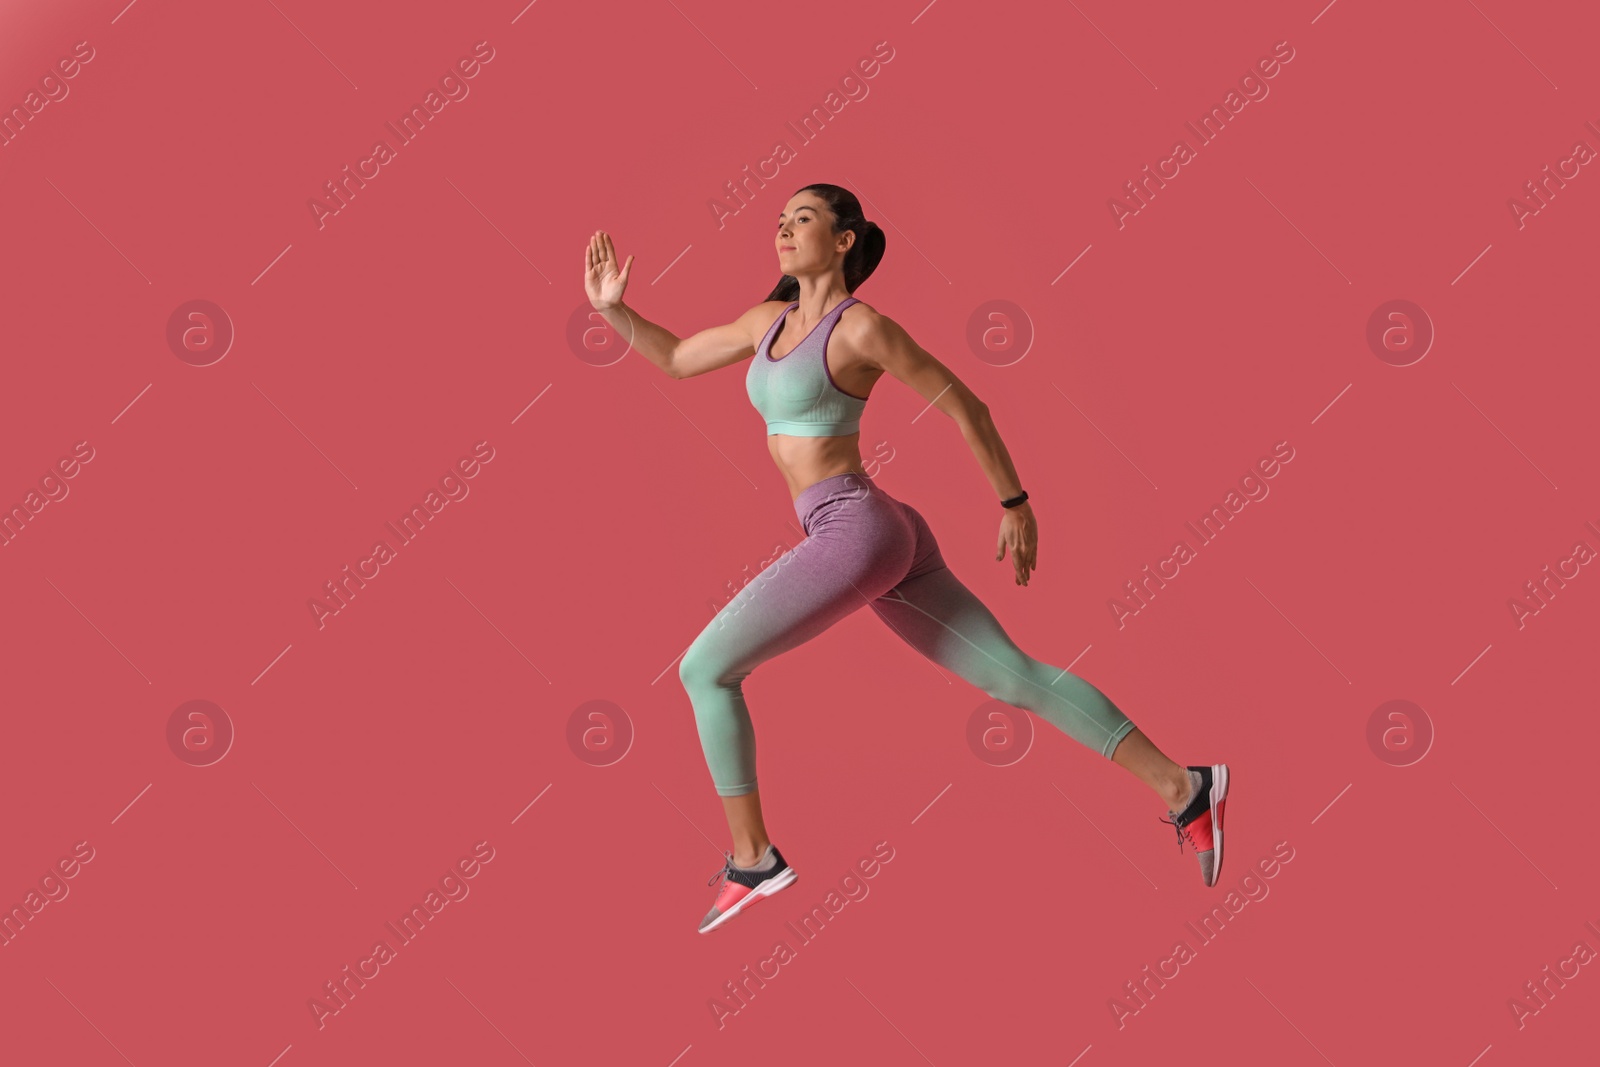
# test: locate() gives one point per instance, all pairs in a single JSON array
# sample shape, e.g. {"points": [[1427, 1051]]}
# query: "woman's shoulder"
{"points": [[861, 323]]}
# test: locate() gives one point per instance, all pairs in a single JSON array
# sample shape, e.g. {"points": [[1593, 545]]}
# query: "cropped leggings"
{"points": [[863, 547]]}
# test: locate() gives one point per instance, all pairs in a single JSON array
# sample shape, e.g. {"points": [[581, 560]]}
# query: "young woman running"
{"points": [[817, 352]]}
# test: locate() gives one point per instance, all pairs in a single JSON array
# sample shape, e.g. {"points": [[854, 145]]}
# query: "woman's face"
{"points": [[806, 242]]}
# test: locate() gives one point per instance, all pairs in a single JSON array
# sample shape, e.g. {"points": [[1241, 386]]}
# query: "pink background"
{"points": [[373, 352]]}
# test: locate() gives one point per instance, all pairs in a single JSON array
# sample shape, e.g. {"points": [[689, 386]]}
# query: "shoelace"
{"points": [[1182, 832], [725, 872]]}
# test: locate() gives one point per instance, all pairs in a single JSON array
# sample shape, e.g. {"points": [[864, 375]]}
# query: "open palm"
{"points": [[602, 281]]}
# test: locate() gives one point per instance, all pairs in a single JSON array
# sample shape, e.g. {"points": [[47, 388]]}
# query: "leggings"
{"points": [[862, 546]]}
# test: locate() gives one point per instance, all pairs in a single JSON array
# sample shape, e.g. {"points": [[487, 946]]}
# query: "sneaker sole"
{"points": [[760, 892], [1219, 793]]}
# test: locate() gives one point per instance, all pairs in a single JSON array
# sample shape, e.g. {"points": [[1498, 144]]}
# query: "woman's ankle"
{"points": [[749, 859], [1176, 792]]}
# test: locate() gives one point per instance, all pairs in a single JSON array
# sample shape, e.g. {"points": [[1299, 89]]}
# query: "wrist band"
{"points": [[1014, 501]]}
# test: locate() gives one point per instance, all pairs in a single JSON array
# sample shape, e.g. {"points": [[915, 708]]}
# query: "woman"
{"points": [[817, 352]]}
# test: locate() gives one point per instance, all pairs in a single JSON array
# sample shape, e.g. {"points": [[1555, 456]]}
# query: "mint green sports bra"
{"points": [[797, 394]]}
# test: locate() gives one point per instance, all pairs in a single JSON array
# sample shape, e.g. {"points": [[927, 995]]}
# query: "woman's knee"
{"points": [[703, 666], [1010, 677]]}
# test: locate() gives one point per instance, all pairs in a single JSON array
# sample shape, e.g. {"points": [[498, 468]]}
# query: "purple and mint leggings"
{"points": [[863, 546]]}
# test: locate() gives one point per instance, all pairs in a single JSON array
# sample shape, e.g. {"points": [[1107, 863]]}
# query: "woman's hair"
{"points": [[865, 252]]}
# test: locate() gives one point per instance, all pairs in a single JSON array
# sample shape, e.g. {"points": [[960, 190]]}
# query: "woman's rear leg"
{"points": [[941, 618]]}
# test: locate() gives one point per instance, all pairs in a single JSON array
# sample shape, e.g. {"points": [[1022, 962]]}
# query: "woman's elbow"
{"points": [[973, 413]]}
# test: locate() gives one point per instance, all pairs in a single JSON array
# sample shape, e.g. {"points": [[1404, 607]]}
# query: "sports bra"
{"points": [[797, 394]]}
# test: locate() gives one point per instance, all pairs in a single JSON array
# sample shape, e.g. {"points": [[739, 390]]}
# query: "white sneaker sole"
{"points": [[765, 889], [1219, 793]]}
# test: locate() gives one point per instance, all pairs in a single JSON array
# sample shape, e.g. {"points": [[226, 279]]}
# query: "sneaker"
{"points": [[1200, 823], [743, 886]]}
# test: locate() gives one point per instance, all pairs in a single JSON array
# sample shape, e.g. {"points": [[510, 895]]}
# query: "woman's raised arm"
{"points": [[705, 351]]}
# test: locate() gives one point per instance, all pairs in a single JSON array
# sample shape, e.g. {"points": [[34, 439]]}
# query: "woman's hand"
{"points": [[601, 279], [1020, 532]]}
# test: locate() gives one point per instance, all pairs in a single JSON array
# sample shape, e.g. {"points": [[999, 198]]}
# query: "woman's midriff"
{"points": [[804, 461]]}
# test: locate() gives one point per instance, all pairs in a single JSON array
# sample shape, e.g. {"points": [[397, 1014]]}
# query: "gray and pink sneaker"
{"points": [[1200, 822], [743, 886]]}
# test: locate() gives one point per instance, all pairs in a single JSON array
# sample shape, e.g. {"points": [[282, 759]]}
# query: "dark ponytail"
{"points": [[865, 252]]}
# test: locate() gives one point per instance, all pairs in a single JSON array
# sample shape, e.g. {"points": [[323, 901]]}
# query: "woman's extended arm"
{"points": [[678, 358], [884, 344]]}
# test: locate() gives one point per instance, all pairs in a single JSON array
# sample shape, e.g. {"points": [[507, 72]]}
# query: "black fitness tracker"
{"points": [[1014, 501]]}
